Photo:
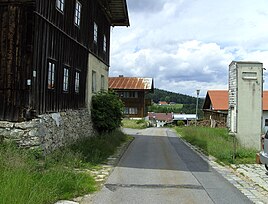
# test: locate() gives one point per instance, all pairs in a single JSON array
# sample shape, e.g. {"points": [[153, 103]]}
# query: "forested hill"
{"points": [[162, 95]]}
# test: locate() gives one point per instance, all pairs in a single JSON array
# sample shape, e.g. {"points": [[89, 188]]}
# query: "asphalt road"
{"points": [[159, 168]]}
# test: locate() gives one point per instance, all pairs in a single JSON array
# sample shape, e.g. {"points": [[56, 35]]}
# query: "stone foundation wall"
{"points": [[49, 131]]}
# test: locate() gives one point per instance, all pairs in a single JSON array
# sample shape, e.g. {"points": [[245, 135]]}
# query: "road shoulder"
{"points": [[251, 180]]}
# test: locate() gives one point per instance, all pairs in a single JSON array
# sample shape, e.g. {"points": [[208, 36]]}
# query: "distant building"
{"points": [[160, 119], [163, 103], [132, 91], [215, 107]]}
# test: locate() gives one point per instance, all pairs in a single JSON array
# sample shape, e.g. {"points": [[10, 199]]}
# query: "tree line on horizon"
{"points": [[189, 102]]}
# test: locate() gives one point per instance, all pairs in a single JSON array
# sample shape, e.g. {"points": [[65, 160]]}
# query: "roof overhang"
{"points": [[131, 83], [117, 12]]}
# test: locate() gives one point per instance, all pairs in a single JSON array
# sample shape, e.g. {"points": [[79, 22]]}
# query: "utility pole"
{"points": [[197, 95]]}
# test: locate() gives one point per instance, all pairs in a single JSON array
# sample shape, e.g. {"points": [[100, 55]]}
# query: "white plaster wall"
{"points": [[160, 123], [249, 106], [94, 64]]}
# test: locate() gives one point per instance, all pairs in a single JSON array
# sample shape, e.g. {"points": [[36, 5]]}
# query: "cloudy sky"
{"points": [[188, 44]]}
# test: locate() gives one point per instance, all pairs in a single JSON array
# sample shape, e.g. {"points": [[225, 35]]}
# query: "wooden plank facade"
{"points": [[133, 91], [44, 48]]}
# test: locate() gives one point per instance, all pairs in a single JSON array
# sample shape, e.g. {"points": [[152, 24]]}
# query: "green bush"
{"points": [[140, 121], [107, 111], [180, 123]]}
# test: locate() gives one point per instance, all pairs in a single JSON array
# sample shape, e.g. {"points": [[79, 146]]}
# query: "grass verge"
{"points": [[135, 124], [28, 177], [217, 142]]}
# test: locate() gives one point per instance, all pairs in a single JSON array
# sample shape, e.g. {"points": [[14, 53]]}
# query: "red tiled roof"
{"points": [[219, 99], [265, 101], [161, 116], [163, 103], [130, 83]]}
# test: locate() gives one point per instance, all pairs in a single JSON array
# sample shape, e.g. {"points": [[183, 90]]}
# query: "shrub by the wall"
{"points": [[107, 111], [180, 123]]}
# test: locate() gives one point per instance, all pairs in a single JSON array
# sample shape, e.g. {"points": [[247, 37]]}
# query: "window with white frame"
{"points": [[51, 76], [77, 13], [131, 111], [77, 81], [102, 82], [94, 82], [60, 5], [95, 32], [65, 79], [104, 43]]}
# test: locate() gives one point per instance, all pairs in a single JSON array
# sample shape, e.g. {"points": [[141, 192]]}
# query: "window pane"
{"points": [[102, 82], [104, 43], [133, 111], [51, 76], [94, 88], [77, 79], [126, 110], [65, 79], [77, 14], [60, 4], [95, 32]]}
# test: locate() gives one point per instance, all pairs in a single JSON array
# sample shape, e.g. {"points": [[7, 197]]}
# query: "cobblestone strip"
{"points": [[241, 176]]}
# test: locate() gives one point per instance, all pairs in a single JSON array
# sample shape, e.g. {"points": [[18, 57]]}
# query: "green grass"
{"points": [[217, 142], [28, 177], [135, 124], [176, 108]]}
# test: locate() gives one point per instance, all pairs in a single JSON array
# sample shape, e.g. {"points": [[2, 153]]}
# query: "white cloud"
{"points": [[189, 44]]}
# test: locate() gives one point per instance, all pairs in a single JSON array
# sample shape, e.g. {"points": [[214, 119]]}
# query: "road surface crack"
{"points": [[114, 187]]}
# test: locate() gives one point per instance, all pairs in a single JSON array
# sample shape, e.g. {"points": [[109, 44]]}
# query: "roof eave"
{"points": [[118, 13]]}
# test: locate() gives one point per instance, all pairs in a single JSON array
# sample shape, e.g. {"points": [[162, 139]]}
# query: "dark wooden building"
{"points": [[44, 48], [132, 91]]}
